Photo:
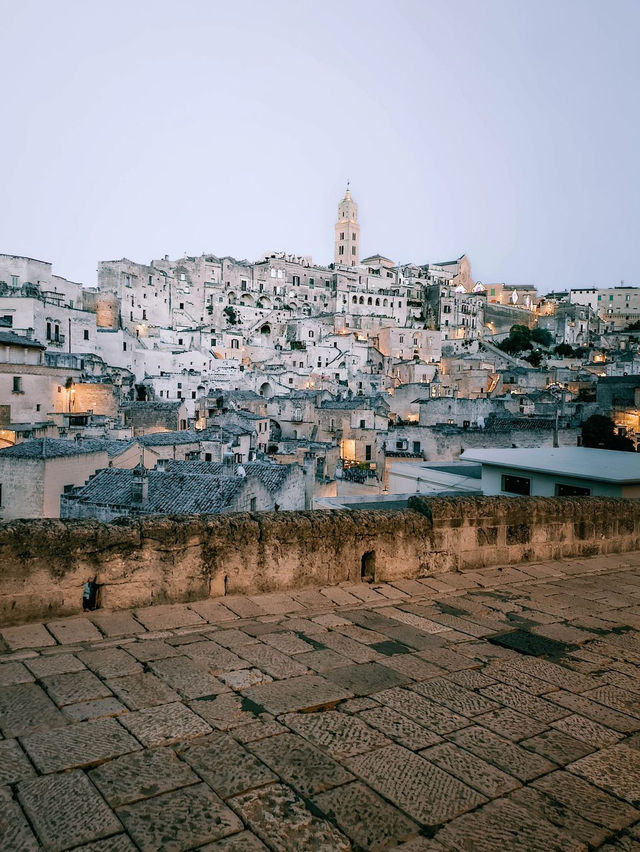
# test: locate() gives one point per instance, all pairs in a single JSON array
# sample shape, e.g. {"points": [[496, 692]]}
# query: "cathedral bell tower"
{"points": [[347, 242]]}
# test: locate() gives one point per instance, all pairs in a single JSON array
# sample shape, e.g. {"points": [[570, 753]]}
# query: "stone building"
{"points": [[347, 233]]}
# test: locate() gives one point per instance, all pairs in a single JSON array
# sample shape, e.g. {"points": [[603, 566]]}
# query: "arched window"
{"points": [[369, 301], [377, 303], [385, 303], [361, 300], [355, 300], [235, 343]]}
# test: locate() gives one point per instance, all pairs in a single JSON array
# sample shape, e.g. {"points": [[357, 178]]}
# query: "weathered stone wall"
{"points": [[45, 563]]}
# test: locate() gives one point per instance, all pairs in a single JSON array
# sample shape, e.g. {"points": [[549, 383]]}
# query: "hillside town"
{"points": [[210, 384]]}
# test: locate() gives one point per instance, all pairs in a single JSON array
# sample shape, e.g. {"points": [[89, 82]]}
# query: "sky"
{"points": [[503, 129]]}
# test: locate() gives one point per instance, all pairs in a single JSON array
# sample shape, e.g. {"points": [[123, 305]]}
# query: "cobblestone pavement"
{"points": [[491, 710]]}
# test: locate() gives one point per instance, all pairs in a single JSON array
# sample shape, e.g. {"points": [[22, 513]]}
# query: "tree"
{"points": [[542, 336], [599, 432], [563, 350], [231, 315], [534, 358]]}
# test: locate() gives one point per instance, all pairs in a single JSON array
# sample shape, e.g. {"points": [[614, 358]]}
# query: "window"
{"points": [[367, 452], [516, 485], [235, 344], [353, 236], [38, 406], [144, 316], [14, 280], [182, 306], [17, 384], [124, 346], [56, 332], [179, 384], [340, 249], [353, 249], [362, 424], [310, 334], [296, 280], [342, 235], [48, 331], [253, 504], [207, 456], [86, 333], [151, 279], [131, 316], [180, 341], [563, 490], [416, 446], [213, 341]]}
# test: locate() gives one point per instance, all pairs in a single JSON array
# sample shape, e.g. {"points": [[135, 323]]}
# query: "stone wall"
{"points": [[45, 563]]}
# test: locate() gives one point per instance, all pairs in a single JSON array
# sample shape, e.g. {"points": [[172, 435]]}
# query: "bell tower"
{"points": [[347, 241]]}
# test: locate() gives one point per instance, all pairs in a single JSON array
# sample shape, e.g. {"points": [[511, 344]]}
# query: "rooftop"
{"points": [[10, 338], [171, 493], [583, 462], [494, 709], [50, 448]]}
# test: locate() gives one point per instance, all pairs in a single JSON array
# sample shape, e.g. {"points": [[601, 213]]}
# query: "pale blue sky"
{"points": [[507, 129]]}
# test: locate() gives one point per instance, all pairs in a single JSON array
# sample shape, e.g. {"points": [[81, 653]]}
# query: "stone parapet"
{"points": [[44, 564]]}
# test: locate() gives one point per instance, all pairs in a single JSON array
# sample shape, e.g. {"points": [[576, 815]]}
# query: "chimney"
{"points": [[230, 464], [139, 486], [309, 468]]}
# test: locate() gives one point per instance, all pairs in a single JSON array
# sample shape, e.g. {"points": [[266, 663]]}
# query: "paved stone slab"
{"points": [[504, 754], [419, 788], [590, 732], [11, 673], [558, 814], [287, 643], [82, 744], [281, 819], [524, 702], [14, 764], [471, 769], [142, 690], [243, 842], [304, 767], [214, 658], [276, 664], [120, 623], [115, 843], [412, 666], [27, 636], [232, 638], [245, 678], [58, 807], [400, 728], [596, 711], [510, 723], [69, 631], [616, 769], [168, 616], [455, 697], [179, 820], [75, 686], [623, 700], [84, 710], [298, 693], [110, 662], [367, 678], [141, 775], [151, 649], [504, 825], [24, 708], [15, 832], [433, 716], [264, 726], [54, 664], [558, 747], [356, 652], [225, 765], [187, 677], [323, 660], [165, 724], [591, 802], [336, 733], [363, 816], [224, 711]]}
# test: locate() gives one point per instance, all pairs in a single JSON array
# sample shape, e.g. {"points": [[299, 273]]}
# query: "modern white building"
{"points": [[557, 472]]}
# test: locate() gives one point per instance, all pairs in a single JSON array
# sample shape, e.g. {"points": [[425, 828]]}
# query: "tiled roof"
{"points": [[9, 338], [164, 439], [272, 476], [169, 493], [151, 405], [355, 403], [51, 448]]}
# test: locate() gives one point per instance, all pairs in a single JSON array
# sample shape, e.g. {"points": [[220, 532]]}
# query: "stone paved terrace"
{"points": [[490, 710]]}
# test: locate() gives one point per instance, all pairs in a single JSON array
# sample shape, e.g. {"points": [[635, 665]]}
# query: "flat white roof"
{"points": [[580, 462]]}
